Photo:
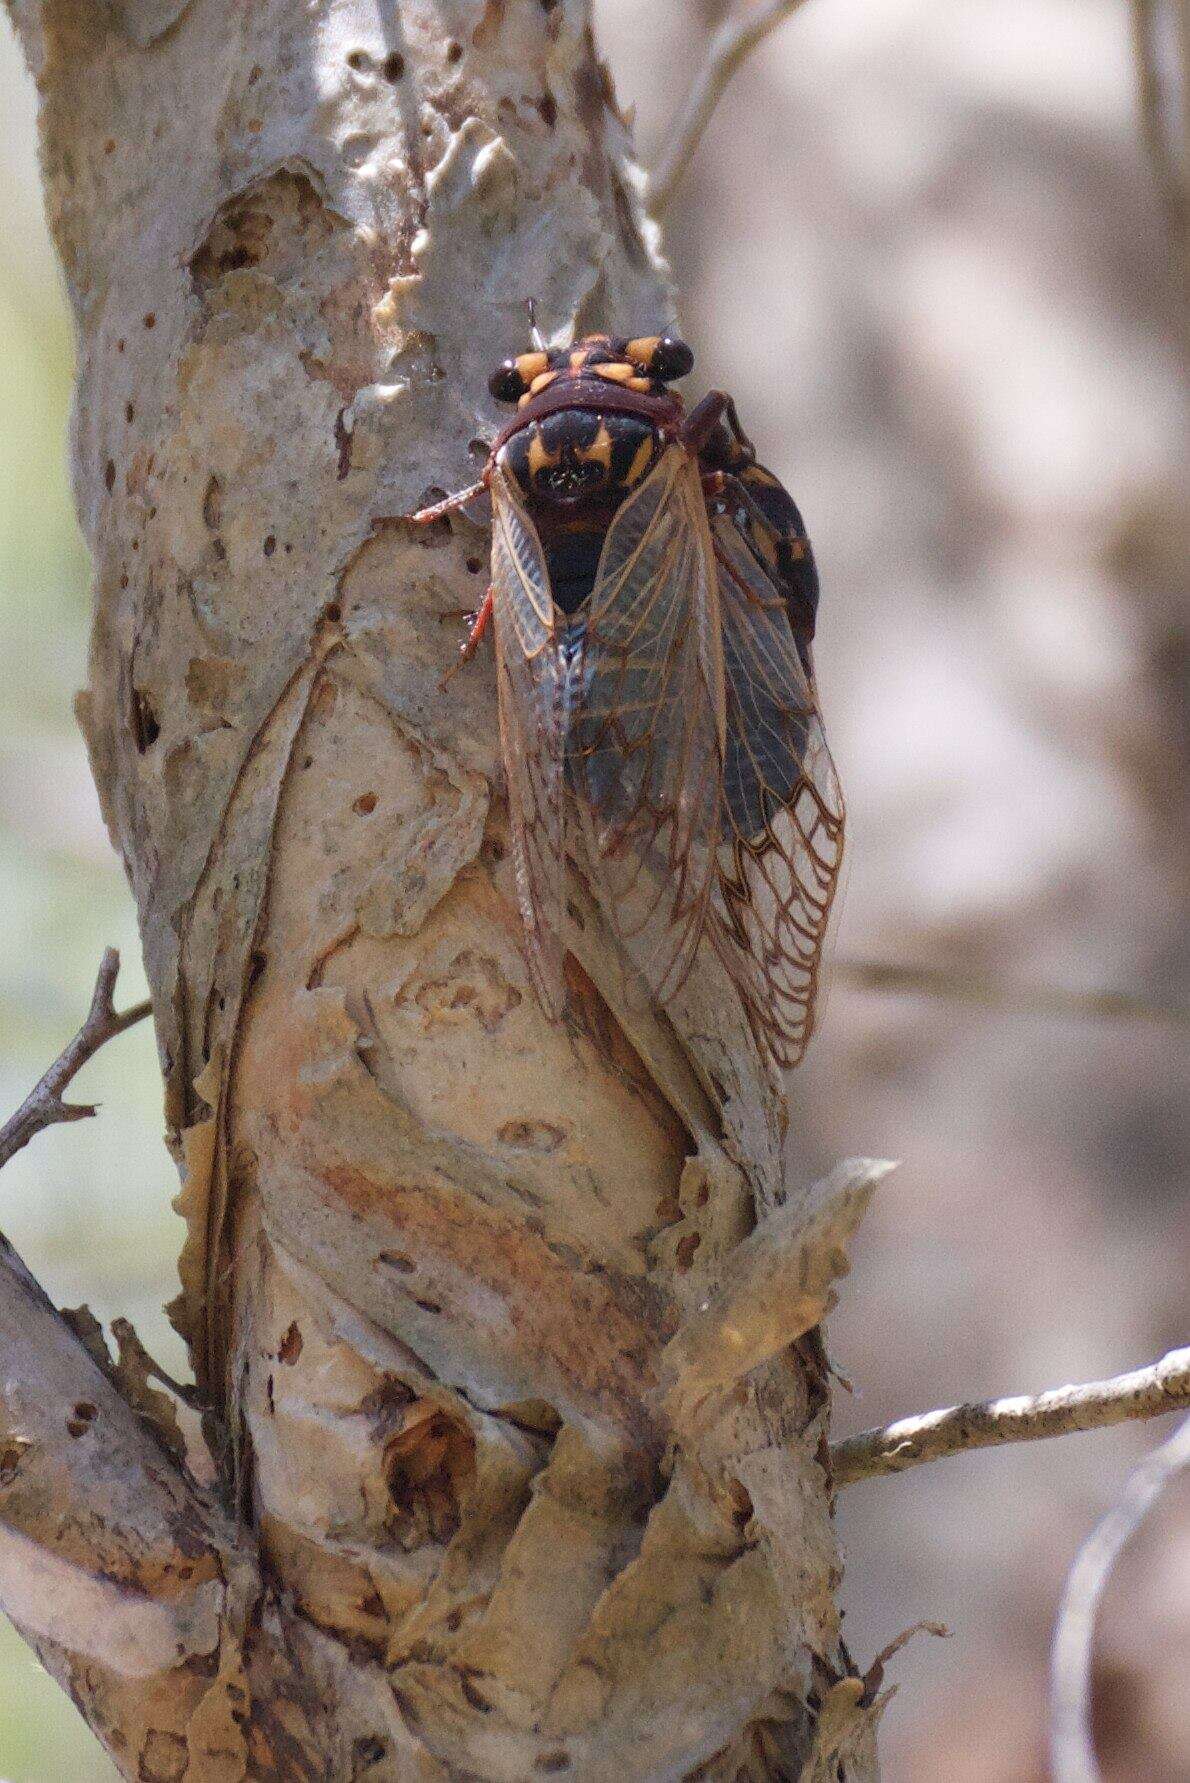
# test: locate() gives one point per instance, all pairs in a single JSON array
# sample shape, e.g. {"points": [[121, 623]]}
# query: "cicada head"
{"points": [[647, 365], [591, 420]]}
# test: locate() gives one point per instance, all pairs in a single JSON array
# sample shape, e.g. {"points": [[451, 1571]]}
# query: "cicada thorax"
{"points": [[573, 469]]}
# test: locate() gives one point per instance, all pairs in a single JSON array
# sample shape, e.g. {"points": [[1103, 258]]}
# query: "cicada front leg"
{"points": [[450, 504]]}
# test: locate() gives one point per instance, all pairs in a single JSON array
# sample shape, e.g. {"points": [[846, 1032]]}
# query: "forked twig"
{"points": [[735, 39], [44, 1105], [1072, 1753], [1144, 1393]]}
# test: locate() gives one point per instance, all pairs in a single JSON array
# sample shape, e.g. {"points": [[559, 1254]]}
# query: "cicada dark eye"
{"points": [[506, 383], [672, 358]]}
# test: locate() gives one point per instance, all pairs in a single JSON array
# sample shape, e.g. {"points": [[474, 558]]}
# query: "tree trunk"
{"points": [[471, 1517]]}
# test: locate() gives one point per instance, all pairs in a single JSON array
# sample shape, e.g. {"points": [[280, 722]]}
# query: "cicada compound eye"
{"points": [[506, 383], [661, 357], [672, 358]]}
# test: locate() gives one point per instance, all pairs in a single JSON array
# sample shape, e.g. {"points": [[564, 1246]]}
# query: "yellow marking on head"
{"points": [[756, 473], [531, 365], [599, 451], [641, 460], [539, 458], [797, 549], [616, 373], [638, 383], [542, 382], [579, 357], [641, 351]]}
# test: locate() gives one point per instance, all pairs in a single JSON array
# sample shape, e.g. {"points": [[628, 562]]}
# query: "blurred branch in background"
{"points": [[734, 40], [1160, 111], [1072, 1751], [44, 1106], [994, 993], [1144, 1393]]}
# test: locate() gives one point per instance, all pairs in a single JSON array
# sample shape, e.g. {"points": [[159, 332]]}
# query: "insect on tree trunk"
{"points": [[518, 1472]]}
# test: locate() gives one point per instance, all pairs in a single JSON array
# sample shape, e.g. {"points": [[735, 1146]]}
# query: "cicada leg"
{"points": [[480, 620], [717, 408], [449, 505]]}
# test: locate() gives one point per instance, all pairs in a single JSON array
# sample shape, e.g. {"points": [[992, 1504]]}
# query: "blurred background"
{"points": [[923, 247]]}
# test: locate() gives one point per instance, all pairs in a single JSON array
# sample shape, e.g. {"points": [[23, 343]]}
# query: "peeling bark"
{"points": [[436, 1245]]}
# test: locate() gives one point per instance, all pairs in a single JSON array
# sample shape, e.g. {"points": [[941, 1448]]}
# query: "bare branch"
{"points": [[1168, 176], [44, 1105], [735, 39], [1145, 1393], [1071, 1751], [978, 987]]}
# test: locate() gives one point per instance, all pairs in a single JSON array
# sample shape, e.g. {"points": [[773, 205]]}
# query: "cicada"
{"points": [[653, 595]]}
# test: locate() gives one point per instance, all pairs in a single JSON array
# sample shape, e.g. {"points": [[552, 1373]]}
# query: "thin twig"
{"points": [[1145, 1393], [1168, 175], [44, 1106], [993, 993], [735, 39], [1071, 1750]]}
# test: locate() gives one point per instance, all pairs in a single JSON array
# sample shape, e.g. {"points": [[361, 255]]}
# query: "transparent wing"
{"points": [[531, 683], [646, 740], [783, 809]]}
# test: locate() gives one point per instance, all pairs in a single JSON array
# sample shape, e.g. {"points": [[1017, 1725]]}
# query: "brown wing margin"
{"points": [[784, 815], [530, 684], [646, 744]]}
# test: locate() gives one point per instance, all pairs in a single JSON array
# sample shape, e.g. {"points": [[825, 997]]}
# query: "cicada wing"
{"points": [[646, 741], [530, 682], [783, 808]]}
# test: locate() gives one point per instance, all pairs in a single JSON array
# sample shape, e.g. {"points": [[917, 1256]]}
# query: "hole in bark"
{"points": [[547, 105], [150, 320], [129, 411], [10, 1459], [551, 1763], [109, 147], [365, 804], [109, 476], [429, 1464], [271, 1400], [334, 612], [212, 504], [145, 728], [81, 1417], [430, 1306], [270, 544], [358, 59], [257, 961], [686, 1249], [290, 1347], [454, 51], [396, 1260], [368, 1750], [474, 1695], [393, 66], [343, 442]]}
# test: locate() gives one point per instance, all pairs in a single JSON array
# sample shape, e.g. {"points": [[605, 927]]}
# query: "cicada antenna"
{"points": [[535, 332]]}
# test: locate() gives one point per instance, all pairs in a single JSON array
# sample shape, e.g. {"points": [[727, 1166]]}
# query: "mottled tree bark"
{"points": [[471, 1516]]}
